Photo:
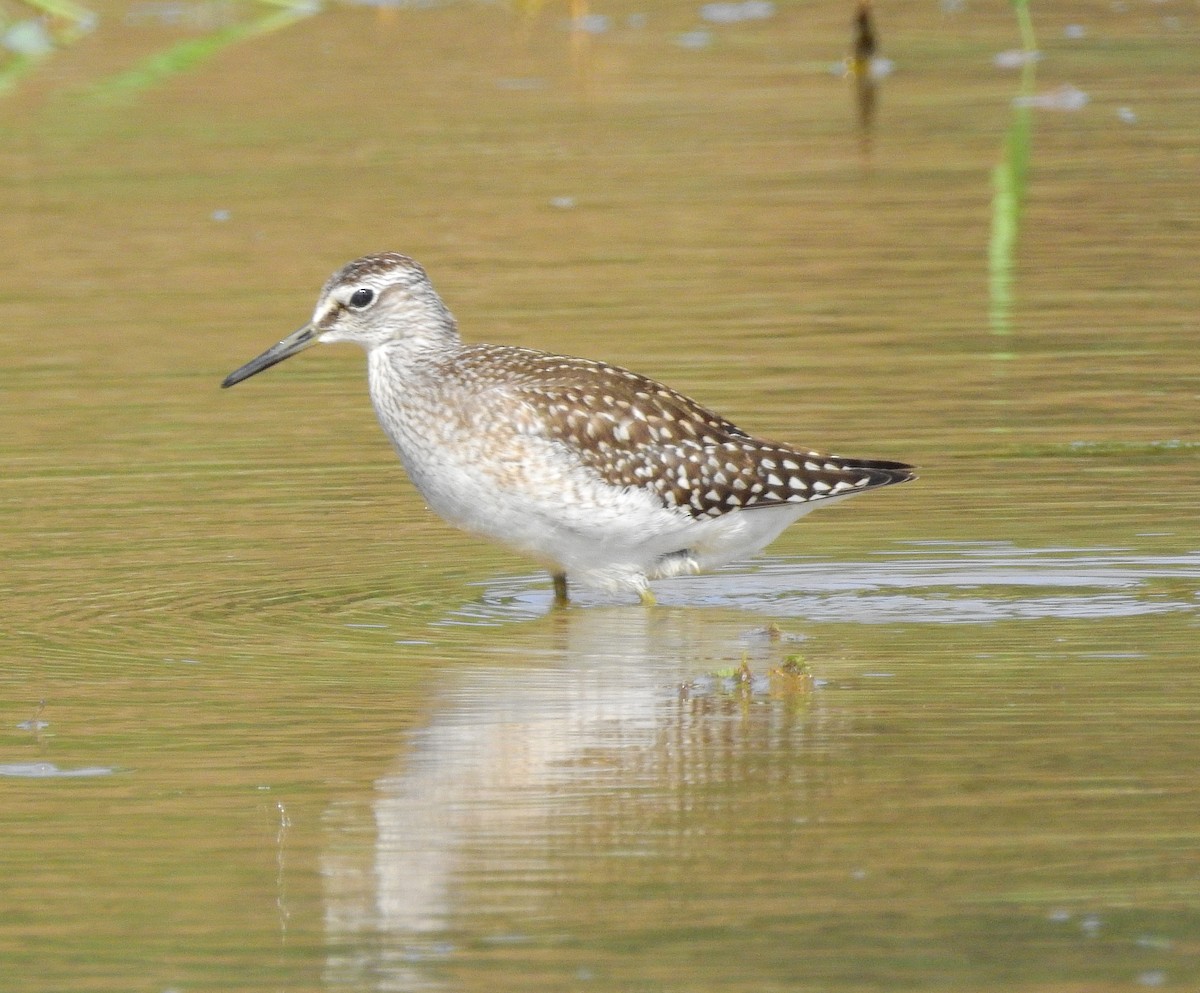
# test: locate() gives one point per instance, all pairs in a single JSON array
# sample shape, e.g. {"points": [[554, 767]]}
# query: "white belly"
{"points": [[532, 494], [574, 523]]}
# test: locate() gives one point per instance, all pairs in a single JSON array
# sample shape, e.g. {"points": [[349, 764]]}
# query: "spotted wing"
{"points": [[635, 432]]}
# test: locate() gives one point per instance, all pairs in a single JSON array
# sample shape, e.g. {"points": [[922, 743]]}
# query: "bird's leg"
{"points": [[560, 589], [647, 597]]}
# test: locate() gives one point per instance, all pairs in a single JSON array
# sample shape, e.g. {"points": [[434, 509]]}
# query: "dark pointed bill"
{"points": [[295, 342]]}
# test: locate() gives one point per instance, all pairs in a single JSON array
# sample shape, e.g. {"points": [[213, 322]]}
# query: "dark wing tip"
{"points": [[887, 472]]}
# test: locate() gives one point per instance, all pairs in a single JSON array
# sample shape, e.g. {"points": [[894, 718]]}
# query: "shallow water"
{"points": [[266, 724]]}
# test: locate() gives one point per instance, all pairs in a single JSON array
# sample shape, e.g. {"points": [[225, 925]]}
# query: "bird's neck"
{"points": [[399, 373], [420, 347]]}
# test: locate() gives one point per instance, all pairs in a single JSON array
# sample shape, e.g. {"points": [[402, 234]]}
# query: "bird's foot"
{"points": [[561, 599]]}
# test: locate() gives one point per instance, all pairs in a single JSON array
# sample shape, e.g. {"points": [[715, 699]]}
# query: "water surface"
{"points": [[267, 724]]}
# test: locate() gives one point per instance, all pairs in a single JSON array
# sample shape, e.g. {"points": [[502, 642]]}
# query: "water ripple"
{"points": [[48, 770], [928, 583]]}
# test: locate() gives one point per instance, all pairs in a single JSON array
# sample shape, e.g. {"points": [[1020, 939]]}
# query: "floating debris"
{"points": [[29, 38], [694, 40], [562, 203], [1074, 32], [1065, 98], [880, 67], [735, 13], [789, 679], [35, 723], [592, 23], [1126, 115], [1015, 58]]}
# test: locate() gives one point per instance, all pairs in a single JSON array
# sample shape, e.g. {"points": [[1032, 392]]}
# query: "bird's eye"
{"points": [[361, 297]]}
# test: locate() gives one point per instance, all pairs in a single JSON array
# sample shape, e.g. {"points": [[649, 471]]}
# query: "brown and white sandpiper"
{"points": [[602, 475]]}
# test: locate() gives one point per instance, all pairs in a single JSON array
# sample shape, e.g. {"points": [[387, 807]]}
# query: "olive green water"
{"points": [[266, 724]]}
